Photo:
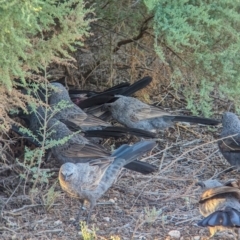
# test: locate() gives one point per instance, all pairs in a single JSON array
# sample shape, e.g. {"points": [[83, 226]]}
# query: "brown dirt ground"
{"points": [[142, 206]]}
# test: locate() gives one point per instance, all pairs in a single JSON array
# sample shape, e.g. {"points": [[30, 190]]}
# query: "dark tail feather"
{"points": [[118, 89], [132, 131], [141, 167], [79, 91], [96, 100], [107, 96], [130, 153], [125, 90], [103, 134], [138, 132], [191, 119], [17, 130], [140, 84], [118, 132], [118, 86]]}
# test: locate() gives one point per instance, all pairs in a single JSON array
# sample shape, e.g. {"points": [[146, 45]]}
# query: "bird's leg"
{"points": [[237, 234], [92, 204], [79, 213]]}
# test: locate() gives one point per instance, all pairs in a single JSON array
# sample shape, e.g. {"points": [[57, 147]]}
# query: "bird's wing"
{"points": [[77, 119], [212, 192], [94, 121], [83, 120], [90, 174], [83, 150], [148, 112], [229, 145], [227, 217]]}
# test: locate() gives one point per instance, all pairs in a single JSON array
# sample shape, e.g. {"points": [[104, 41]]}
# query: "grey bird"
{"points": [[131, 112], [75, 118], [220, 206], [89, 181], [93, 104], [230, 147], [75, 148], [72, 113]]}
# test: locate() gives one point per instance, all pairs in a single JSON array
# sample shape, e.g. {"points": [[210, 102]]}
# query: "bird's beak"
{"points": [[66, 178]]}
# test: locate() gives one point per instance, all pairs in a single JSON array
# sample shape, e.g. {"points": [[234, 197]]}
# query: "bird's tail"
{"points": [[123, 155], [229, 217], [126, 152], [119, 132], [130, 153], [141, 167], [118, 86], [25, 135], [95, 100], [192, 119], [140, 84], [107, 96], [118, 89]]}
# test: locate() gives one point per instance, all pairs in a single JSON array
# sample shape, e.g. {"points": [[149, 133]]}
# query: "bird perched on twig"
{"points": [[133, 113], [220, 206], [230, 147], [89, 181]]}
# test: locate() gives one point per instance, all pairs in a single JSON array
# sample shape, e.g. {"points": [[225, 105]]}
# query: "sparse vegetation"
{"points": [[33, 35], [87, 234], [204, 39], [194, 66]]}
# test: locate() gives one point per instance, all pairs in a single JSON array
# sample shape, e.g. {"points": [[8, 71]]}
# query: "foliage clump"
{"points": [[34, 34], [204, 37]]}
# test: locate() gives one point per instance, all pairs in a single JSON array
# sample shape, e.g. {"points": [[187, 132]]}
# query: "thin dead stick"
{"points": [[188, 220], [50, 231], [9, 198], [192, 149]]}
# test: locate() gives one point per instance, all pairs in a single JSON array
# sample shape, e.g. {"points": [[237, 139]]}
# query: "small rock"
{"points": [[111, 200], [72, 219], [107, 219], [174, 234], [58, 222], [196, 238]]}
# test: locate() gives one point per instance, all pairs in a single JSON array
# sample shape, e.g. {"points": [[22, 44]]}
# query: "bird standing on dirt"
{"points": [[73, 147], [220, 205], [133, 113], [89, 181], [75, 118], [230, 147]]}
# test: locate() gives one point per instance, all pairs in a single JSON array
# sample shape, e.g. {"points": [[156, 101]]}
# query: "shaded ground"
{"points": [[137, 206], [185, 154]]}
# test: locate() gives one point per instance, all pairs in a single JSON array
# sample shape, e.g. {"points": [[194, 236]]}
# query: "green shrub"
{"points": [[34, 33], [204, 37]]}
